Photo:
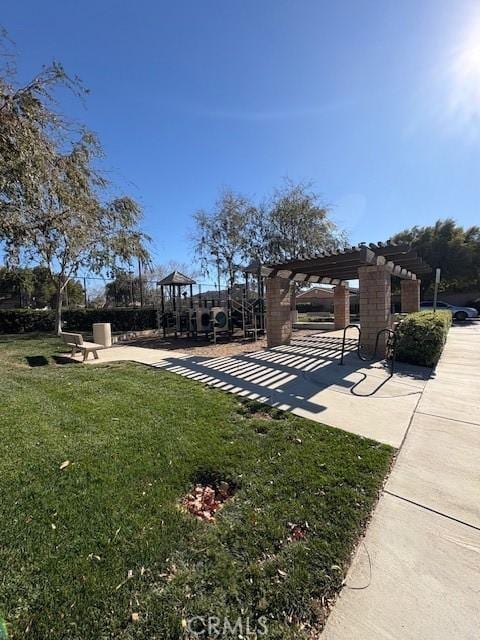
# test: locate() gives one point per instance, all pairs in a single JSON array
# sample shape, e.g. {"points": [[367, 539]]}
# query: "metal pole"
{"points": [[141, 281], [435, 291], [85, 290], [162, 293], [218, 276]]}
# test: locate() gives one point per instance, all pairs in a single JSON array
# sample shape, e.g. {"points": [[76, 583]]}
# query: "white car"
{"points": [[459, 313]]}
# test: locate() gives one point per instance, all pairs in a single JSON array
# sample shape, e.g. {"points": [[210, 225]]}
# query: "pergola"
{"points": [[373, 265]]}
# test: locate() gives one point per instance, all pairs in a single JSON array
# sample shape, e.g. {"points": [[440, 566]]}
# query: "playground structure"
{"points": [[265, 302], [239, 310]]}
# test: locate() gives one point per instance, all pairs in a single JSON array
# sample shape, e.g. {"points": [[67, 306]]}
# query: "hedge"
{"points": [[306, 307], [121, 319], [421, 337], [26, 320]]}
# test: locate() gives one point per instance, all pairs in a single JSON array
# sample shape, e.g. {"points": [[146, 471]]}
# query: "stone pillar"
{"points": [[341, 306], [279, 311], [410, 296], [375, 305]]}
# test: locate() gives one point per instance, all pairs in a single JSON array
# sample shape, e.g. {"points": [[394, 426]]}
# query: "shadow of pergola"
{"points": [[289, 376]]}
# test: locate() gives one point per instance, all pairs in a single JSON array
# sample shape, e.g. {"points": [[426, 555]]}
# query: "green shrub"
{"points": [[421, 336], [33, 320], [121, 319], [26, 320]]}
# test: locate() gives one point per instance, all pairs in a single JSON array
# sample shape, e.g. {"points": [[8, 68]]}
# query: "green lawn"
{"points": [[84, 548]]}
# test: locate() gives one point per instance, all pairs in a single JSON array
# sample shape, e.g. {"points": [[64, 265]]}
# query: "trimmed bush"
{"points": [[26, 321], [421, 337], [81, 320], [121, 319], [307, 307]]}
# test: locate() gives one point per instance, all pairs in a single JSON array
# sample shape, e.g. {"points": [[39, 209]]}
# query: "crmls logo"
{"points": [[215, 627]]}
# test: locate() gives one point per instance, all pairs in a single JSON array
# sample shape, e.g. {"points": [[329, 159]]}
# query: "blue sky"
{"points": [[378, 103]]}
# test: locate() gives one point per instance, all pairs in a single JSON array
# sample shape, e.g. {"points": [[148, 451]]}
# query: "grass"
{"points": [[84, 548]]}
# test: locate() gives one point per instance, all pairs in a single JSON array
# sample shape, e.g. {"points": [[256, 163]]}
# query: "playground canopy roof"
{"points": [[336, 266], [176, 278]]}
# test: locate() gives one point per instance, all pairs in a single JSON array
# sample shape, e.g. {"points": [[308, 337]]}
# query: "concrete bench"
{"points": [[76, 341]]}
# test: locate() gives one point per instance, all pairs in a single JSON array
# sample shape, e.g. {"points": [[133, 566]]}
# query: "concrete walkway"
{"points": [[417, 573], [125, 352], [305, 378]]}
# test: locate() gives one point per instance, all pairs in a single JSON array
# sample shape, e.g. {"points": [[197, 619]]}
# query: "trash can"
{"points": [[102, 333]]}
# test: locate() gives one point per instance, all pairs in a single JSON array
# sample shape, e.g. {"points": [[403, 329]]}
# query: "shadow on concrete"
{"points": [[469, 323], [289, 376]]}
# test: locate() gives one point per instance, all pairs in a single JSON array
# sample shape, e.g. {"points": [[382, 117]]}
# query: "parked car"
{"points": [[459, 313]]}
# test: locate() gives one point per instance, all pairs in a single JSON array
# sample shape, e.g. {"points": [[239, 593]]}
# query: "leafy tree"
{"points": [[122, 290], [31, 131], [54, 208], [43, 294], [33, 288], [15, 285], [42, 290], [220, 237], [452, 248], [291, 223]]}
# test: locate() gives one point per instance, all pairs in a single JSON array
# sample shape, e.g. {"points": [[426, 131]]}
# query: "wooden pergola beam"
{"points": [[343, 265]]}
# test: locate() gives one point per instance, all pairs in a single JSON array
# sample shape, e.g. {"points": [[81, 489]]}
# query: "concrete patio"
{"points": [[305, 377]]}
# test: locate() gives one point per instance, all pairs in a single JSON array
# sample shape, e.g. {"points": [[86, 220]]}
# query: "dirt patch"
{"points": [[212, 489], [204, 501], [203, 347], [297, 531], [260, 411], [262, 415], [261, 430]]}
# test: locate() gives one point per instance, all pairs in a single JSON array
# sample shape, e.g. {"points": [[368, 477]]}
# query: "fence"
{"points": [[90, 292]]}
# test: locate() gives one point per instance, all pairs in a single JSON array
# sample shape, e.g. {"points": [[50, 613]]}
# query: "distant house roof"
{"points": [[316, 293], [321, 293], [176, 278]]}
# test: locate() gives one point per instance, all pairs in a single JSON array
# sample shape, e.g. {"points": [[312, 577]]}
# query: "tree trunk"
{"points": [[58, 309]]}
